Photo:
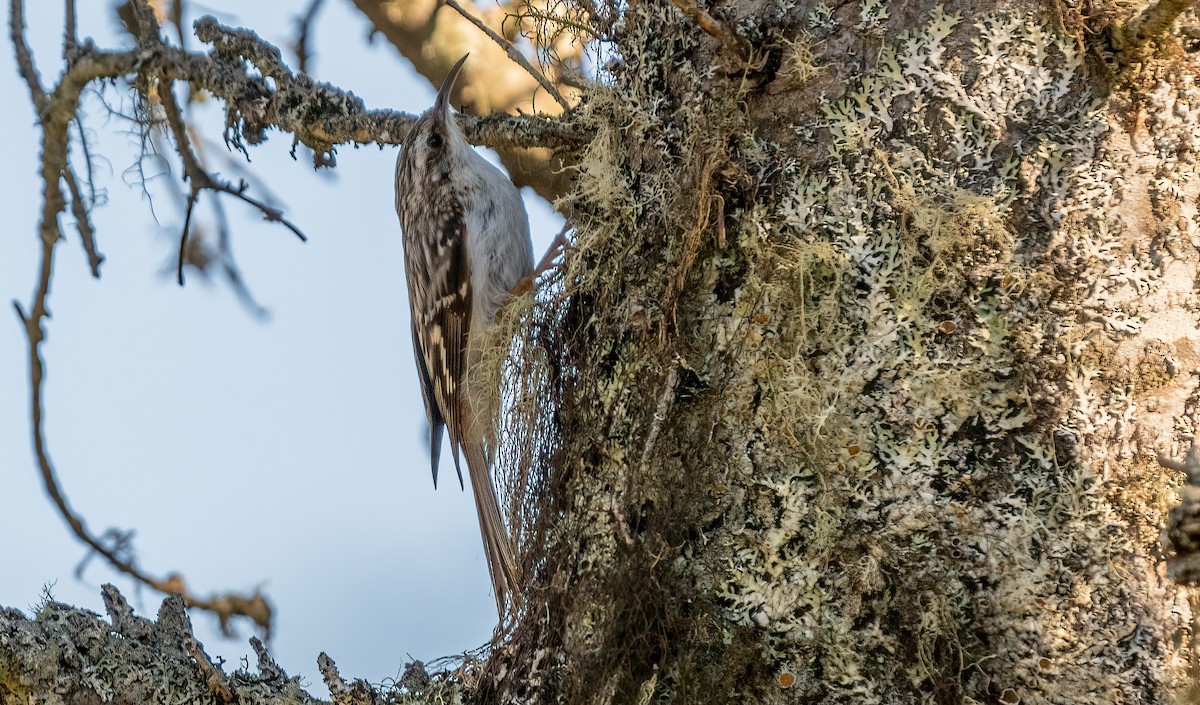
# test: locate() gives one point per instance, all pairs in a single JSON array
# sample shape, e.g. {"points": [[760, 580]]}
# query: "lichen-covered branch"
{"points": [[319, 115], [79, 657]]}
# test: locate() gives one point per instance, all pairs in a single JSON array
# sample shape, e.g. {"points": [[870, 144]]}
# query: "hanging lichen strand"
{"points": [[870, 342]]}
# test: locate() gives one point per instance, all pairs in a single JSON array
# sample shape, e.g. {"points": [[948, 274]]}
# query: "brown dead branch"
{"points": [[713, 27], [513, 54]]}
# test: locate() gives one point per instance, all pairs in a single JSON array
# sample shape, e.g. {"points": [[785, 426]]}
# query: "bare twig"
{"points": [[224, 606], [304, 27], [1152, 22], [232, 273], [87, 161], [70, 36], [202, 180], [83, 222], [512, 54], [193, 196], [713, 27], [24, 56]]}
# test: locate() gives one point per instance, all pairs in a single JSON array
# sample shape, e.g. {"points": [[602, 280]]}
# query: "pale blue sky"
{"points": [[287, 453]]}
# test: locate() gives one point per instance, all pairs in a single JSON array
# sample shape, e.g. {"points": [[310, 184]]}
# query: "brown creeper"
{"points": [[466, 245]]}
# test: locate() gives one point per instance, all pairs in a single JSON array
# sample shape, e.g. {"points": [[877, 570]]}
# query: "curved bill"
{"points": [[442, 103]]}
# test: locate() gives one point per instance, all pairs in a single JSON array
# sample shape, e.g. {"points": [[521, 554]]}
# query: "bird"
{"points": [[466, 247]]}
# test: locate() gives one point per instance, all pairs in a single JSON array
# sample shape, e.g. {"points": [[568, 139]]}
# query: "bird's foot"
{"points": [[556, 248]]}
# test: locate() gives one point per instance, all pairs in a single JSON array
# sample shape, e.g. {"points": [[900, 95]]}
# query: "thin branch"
{"points": [[254, 606], [24, 56], [1152, 22], [87, 161], [202, 180], [304, 27], [83, 222], [713, 27], [232, 273], [548, 19], [1190, 465], [605, 22], [512, 54], [70, 35], [1182, 532], [193, 196]]}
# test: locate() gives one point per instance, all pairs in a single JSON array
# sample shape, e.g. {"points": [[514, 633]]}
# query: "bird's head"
{"points": [[435, 136]]}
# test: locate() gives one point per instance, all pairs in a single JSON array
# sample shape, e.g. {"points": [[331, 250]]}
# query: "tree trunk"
{"points": [[876, 330], [876, 316]]}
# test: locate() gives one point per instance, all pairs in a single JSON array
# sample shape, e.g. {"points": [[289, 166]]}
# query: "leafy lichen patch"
{"points": [[867, 401]]}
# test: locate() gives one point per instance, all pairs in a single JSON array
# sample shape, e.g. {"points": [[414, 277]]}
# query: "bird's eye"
{"points": [[434, 141]]}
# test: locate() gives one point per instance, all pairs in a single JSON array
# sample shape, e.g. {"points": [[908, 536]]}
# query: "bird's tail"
{"points": [[497, 546]]}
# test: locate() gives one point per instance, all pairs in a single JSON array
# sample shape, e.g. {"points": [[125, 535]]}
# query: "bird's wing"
{"points": [[432, 412], [440, 333]]}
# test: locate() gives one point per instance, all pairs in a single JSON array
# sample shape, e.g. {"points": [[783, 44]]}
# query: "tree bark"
{"points": [[879, 331], [875, 320]]}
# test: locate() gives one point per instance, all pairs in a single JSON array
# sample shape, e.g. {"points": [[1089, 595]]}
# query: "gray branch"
{"points": [[81, 658], [319, 115]]}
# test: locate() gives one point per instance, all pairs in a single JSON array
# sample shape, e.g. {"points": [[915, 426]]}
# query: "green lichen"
{"points": [[847, 420]]}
